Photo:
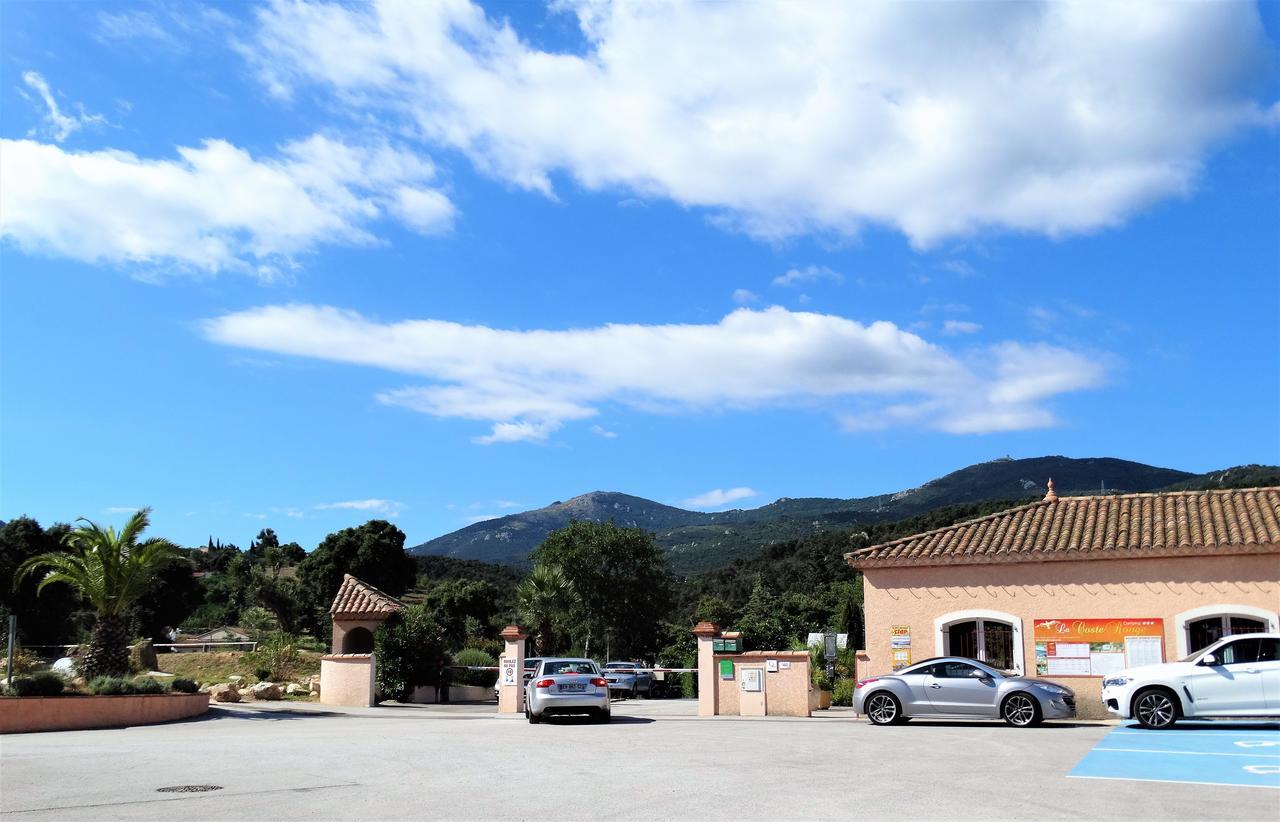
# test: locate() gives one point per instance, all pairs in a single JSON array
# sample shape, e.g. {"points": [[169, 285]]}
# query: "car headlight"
{"points": [[1049, 687], [1115, 681]]}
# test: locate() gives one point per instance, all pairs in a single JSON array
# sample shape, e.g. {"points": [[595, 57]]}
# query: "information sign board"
{"points": [[726, 669], [751, 680], [1096, 647], [510, 675]]}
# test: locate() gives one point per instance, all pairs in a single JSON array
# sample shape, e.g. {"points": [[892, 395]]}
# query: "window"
{"points": [[955, 670], [986, 640], [1240, 651], [358, 641], [1268, 650], [1202, 633]]}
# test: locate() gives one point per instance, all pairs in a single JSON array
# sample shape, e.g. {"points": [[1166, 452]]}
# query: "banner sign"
{"points": [[1096, 647], [900, 646]]}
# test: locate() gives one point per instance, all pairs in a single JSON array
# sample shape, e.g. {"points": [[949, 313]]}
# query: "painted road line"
{"points": [[1186, 753]]}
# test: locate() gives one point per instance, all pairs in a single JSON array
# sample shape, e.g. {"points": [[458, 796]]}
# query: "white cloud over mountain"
{"points": [[720, 497], [528, 383], [939, 120], [215, 207]]}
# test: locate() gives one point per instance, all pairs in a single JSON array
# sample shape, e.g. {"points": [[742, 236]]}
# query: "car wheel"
{"points": [[883, 708], [533, 718], [1021, 710], [604, 717], [1154, 708]]}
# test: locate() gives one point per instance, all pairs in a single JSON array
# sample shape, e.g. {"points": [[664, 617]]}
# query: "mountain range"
{"points": [[698, 540]]}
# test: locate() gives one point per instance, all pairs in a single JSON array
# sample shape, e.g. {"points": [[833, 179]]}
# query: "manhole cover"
{"points": [[189, 788]]}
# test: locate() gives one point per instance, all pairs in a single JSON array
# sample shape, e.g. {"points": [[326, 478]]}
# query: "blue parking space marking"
{"points": [[1204, 755]]}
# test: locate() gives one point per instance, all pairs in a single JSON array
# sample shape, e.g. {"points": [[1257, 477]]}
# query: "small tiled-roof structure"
{"points": [[360, 600], [1185, 523]]}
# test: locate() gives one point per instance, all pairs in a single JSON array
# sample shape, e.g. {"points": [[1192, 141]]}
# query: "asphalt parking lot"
{"points": [[656, 760]]}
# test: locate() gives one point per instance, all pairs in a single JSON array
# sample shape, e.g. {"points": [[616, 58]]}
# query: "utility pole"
{"points": [[13, 634]]}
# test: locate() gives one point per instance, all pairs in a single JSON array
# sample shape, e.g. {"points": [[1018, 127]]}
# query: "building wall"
{"points": [[341, 627], [348, 679], [1165, 588], [786, 691]]}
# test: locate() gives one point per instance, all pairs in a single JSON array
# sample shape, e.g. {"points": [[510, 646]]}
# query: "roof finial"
{"points": [[1051, 495]]}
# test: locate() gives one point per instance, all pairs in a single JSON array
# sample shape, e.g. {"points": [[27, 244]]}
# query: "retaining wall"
{"points": [[24, 714]]}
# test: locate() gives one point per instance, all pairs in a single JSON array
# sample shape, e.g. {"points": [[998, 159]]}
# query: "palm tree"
{"points": [[110, 571], [542, 599]]}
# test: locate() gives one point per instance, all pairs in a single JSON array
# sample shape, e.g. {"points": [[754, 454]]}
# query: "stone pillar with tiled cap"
{"points": [[708, 684], [511, 671]]}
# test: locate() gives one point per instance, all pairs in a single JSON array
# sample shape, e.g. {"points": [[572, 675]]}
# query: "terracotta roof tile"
{"points": [[1108, 527], [358, 599]]}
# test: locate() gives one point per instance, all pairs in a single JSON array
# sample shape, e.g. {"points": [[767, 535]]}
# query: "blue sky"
{"points": [[298, 265]]}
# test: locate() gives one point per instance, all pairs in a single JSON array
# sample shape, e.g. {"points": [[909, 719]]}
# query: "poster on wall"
{"points": [[1096, 647], [900, 646]]}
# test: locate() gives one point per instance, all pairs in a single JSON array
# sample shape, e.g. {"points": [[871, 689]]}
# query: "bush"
{"points": [[112, 686], [276, 658], [184, 686], [42, 683], [477, 657], [148, 686], [410, 646], [24, 662], [842, 694]]}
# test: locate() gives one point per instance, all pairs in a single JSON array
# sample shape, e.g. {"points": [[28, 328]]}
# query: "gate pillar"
{"points": [[708, 682], [511, 671]]}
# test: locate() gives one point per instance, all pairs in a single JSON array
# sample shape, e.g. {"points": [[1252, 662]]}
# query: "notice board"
{"points": [[1096, 647]]}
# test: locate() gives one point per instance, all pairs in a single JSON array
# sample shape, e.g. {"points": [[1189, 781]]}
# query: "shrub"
{"points": [[410, 646], [112, 686], [24, 662], [276, 657], [477, 657], [184, 686], [842, 694], [41, 683], [148, 686]]}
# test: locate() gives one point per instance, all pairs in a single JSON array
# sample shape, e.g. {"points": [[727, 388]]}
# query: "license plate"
{"points": [[573, 687]]}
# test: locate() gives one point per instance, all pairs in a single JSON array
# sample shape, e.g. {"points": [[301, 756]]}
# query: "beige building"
{"points": [[1072, 588]]}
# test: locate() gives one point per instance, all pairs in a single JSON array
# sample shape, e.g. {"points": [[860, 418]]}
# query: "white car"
{"points": [[1235, 676]]}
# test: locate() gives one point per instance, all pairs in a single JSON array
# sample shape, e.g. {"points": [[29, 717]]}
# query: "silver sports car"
{"points": [[566, 686], [957, 687]]}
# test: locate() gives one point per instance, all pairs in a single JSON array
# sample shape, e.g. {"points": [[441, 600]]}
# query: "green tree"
{"points": [[711, 608], [620, 577], [761, 623], [458, 602], [110, 571], [410, 646], [544, 601], [373, 553], [43, 618], [171, 597]]}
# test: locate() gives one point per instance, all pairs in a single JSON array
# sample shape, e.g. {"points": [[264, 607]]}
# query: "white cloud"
{"points": [[953, 327], [743, 296], [121, 509], [528, 384], [381, 506], [808, 274], [60, 125], [255, 516], [216, 207], [601, 431], [719, 497], [784, 117], [472, 520]]}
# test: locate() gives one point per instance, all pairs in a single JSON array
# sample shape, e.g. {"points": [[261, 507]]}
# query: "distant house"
{"points": [[225, 633]]}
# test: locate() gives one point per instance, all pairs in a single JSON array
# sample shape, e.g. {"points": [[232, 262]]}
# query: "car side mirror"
{"points": [[1208, 659]]}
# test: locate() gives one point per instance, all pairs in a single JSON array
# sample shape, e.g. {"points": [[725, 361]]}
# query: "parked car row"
{"points": [[1237, 676]]}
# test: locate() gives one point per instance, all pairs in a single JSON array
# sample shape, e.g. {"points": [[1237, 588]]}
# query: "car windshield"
{"points": [[530, 664], [569, 666]]}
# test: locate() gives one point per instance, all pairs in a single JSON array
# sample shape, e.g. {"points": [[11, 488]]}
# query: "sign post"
{"points": [[13, 635]]}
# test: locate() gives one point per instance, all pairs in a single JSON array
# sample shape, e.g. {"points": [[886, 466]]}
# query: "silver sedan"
{"points": [[957, 687], [566, 686]]}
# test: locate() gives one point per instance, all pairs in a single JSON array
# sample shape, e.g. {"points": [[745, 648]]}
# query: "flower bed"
{"points": [[24, 714]]}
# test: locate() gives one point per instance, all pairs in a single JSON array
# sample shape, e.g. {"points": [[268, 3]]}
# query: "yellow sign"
{"points": [[901, 658]]}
